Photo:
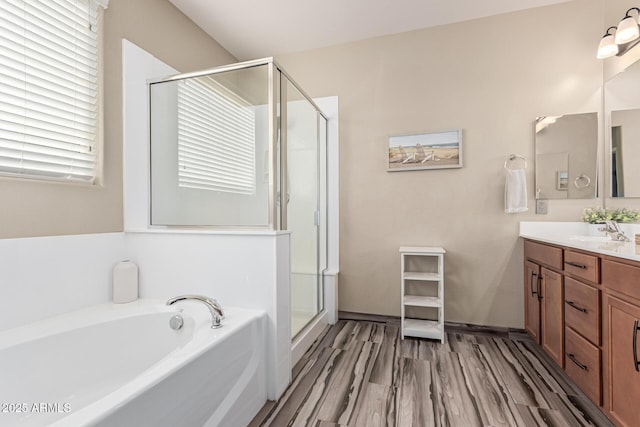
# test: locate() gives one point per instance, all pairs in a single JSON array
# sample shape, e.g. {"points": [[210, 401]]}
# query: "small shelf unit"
{"points": [[422, 287]]}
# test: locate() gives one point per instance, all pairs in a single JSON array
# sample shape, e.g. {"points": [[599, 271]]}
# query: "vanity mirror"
{"points": [[566, 156], [622, 135]]}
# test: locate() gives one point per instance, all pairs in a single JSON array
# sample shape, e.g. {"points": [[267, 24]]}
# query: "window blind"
{"points": [[48, 88], [216, 138]]}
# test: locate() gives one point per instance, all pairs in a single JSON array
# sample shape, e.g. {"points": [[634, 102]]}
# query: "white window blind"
{"points": [[216, 138], [48, 88]]}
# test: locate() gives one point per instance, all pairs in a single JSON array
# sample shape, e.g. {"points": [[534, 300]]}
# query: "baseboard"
{"points": [[451, 327]]}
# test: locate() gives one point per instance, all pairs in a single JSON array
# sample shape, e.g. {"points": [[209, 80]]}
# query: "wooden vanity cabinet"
{"points": [[621, 329], [544, 298], [583, 308]]}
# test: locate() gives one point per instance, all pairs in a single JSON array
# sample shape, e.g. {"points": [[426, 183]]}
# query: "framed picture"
{"points": [[434, 150]]}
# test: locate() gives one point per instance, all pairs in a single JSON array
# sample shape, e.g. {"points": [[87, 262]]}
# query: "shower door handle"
{"points": [[278, 198], [316, 218]]}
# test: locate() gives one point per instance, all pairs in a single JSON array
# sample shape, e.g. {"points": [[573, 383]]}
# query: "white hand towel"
{"points": [[515, 191]]}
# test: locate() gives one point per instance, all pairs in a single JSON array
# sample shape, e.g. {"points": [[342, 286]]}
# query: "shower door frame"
{"points": [[283, 197]]}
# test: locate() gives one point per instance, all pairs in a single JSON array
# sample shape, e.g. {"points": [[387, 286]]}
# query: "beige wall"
{"points": [[32, 208], [491, 77]]}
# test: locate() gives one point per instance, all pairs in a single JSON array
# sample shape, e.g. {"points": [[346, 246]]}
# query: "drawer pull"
{"points": [[635, 346], [539, 286], [575, 264], [574, 305], [533, 274], [572, 357]]}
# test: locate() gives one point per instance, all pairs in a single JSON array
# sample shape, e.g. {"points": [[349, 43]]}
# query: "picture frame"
{"points": [[422, 151]]}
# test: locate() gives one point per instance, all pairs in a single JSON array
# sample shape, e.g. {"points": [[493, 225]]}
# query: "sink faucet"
{"points": [[217, 315], [613, 230]]}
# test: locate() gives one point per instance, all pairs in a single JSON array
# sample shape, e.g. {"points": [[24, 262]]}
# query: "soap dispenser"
{"points": [[125, 282]]}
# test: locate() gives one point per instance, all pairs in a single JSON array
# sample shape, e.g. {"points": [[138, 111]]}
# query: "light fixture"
{"points": [[628, 29], [608, 46], [626, 36]]}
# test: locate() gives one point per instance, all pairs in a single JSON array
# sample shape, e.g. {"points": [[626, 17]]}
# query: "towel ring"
{"points": [[513, 157], [582, 181]]}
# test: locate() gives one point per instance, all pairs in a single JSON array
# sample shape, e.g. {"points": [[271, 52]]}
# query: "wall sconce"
{"points": [[626, 36]]}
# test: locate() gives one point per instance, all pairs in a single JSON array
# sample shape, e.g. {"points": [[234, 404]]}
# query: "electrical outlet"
{"points": [[541, 206]]}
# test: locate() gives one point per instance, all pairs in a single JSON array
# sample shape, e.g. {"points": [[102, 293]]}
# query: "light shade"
{"points": [[607, 47], [627, 30]]}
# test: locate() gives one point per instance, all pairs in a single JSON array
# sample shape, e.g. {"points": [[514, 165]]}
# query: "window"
{"points": [[48, 88], [216, 138]]}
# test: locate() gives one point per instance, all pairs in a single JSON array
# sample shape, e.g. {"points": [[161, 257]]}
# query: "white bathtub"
{"points": [[122, 365]]}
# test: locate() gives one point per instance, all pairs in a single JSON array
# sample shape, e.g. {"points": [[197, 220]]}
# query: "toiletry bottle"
{"points": [[125, 282]]}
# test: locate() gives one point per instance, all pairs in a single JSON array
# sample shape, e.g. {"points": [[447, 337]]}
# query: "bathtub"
{"points": [[122, 365]]}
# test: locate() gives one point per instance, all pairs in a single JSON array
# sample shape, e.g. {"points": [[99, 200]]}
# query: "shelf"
{"points": [[422, 250], [423, 328], [431, 277], [425, 264], [420, 301]]}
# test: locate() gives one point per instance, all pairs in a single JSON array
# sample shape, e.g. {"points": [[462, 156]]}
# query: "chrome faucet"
{"points": [[614, 231], [217, 315]]}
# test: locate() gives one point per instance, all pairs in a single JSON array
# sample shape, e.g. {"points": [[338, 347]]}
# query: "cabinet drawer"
{"points": [[586, 267], [543, 254], [621, 277], [582, 309], [582, 364]]}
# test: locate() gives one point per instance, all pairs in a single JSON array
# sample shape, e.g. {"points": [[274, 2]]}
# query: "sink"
{"points": [[598, 239]]}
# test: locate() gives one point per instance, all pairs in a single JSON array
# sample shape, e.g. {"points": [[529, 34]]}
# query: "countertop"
{"points": [[576, 235]]}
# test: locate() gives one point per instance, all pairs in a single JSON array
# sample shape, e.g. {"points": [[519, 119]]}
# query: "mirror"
{"points": [[566, 156], [625, 153], [622, 115]]}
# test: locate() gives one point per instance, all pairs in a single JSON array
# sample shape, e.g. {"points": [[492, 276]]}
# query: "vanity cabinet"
{"points": [[569, 311], [621, 329], [544, 298], [583, 308]]}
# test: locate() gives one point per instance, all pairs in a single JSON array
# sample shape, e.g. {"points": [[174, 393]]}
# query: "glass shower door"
{"points": [[303, 213]]}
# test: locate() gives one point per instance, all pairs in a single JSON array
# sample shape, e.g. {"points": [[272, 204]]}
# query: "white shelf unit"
{"points": [[423, 267]]}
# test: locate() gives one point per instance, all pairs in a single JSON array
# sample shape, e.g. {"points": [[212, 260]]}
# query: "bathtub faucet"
{"points": [[217, 315]]}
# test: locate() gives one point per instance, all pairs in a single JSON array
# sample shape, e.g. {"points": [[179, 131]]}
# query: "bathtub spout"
{"points": [[217, 315]]}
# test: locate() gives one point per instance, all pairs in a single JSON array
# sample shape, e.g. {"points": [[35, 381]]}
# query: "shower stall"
{"points": [[243, 147]]}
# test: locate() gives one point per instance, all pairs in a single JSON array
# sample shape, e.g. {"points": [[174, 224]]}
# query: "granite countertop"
{"points": [[576, 235]]}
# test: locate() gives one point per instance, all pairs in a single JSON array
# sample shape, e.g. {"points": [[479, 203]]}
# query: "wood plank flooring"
{"points": [[360, 373]]}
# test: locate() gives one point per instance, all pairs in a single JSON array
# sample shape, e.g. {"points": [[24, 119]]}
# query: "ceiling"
{"points": [[252, 29]]}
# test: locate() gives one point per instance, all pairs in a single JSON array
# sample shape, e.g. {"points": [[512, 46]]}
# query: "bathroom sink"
{"points": [[598, 239]]}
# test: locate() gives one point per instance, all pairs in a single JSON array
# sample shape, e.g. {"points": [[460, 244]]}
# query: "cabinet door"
{"points": [[552, 302], [531, 301], [622, 365]]}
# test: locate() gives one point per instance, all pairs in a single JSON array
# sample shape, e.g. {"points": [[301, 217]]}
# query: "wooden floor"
{"points": [[361, 373]]}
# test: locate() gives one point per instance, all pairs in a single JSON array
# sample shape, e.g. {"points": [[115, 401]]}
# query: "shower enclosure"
{"points": [[242, 146]]}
